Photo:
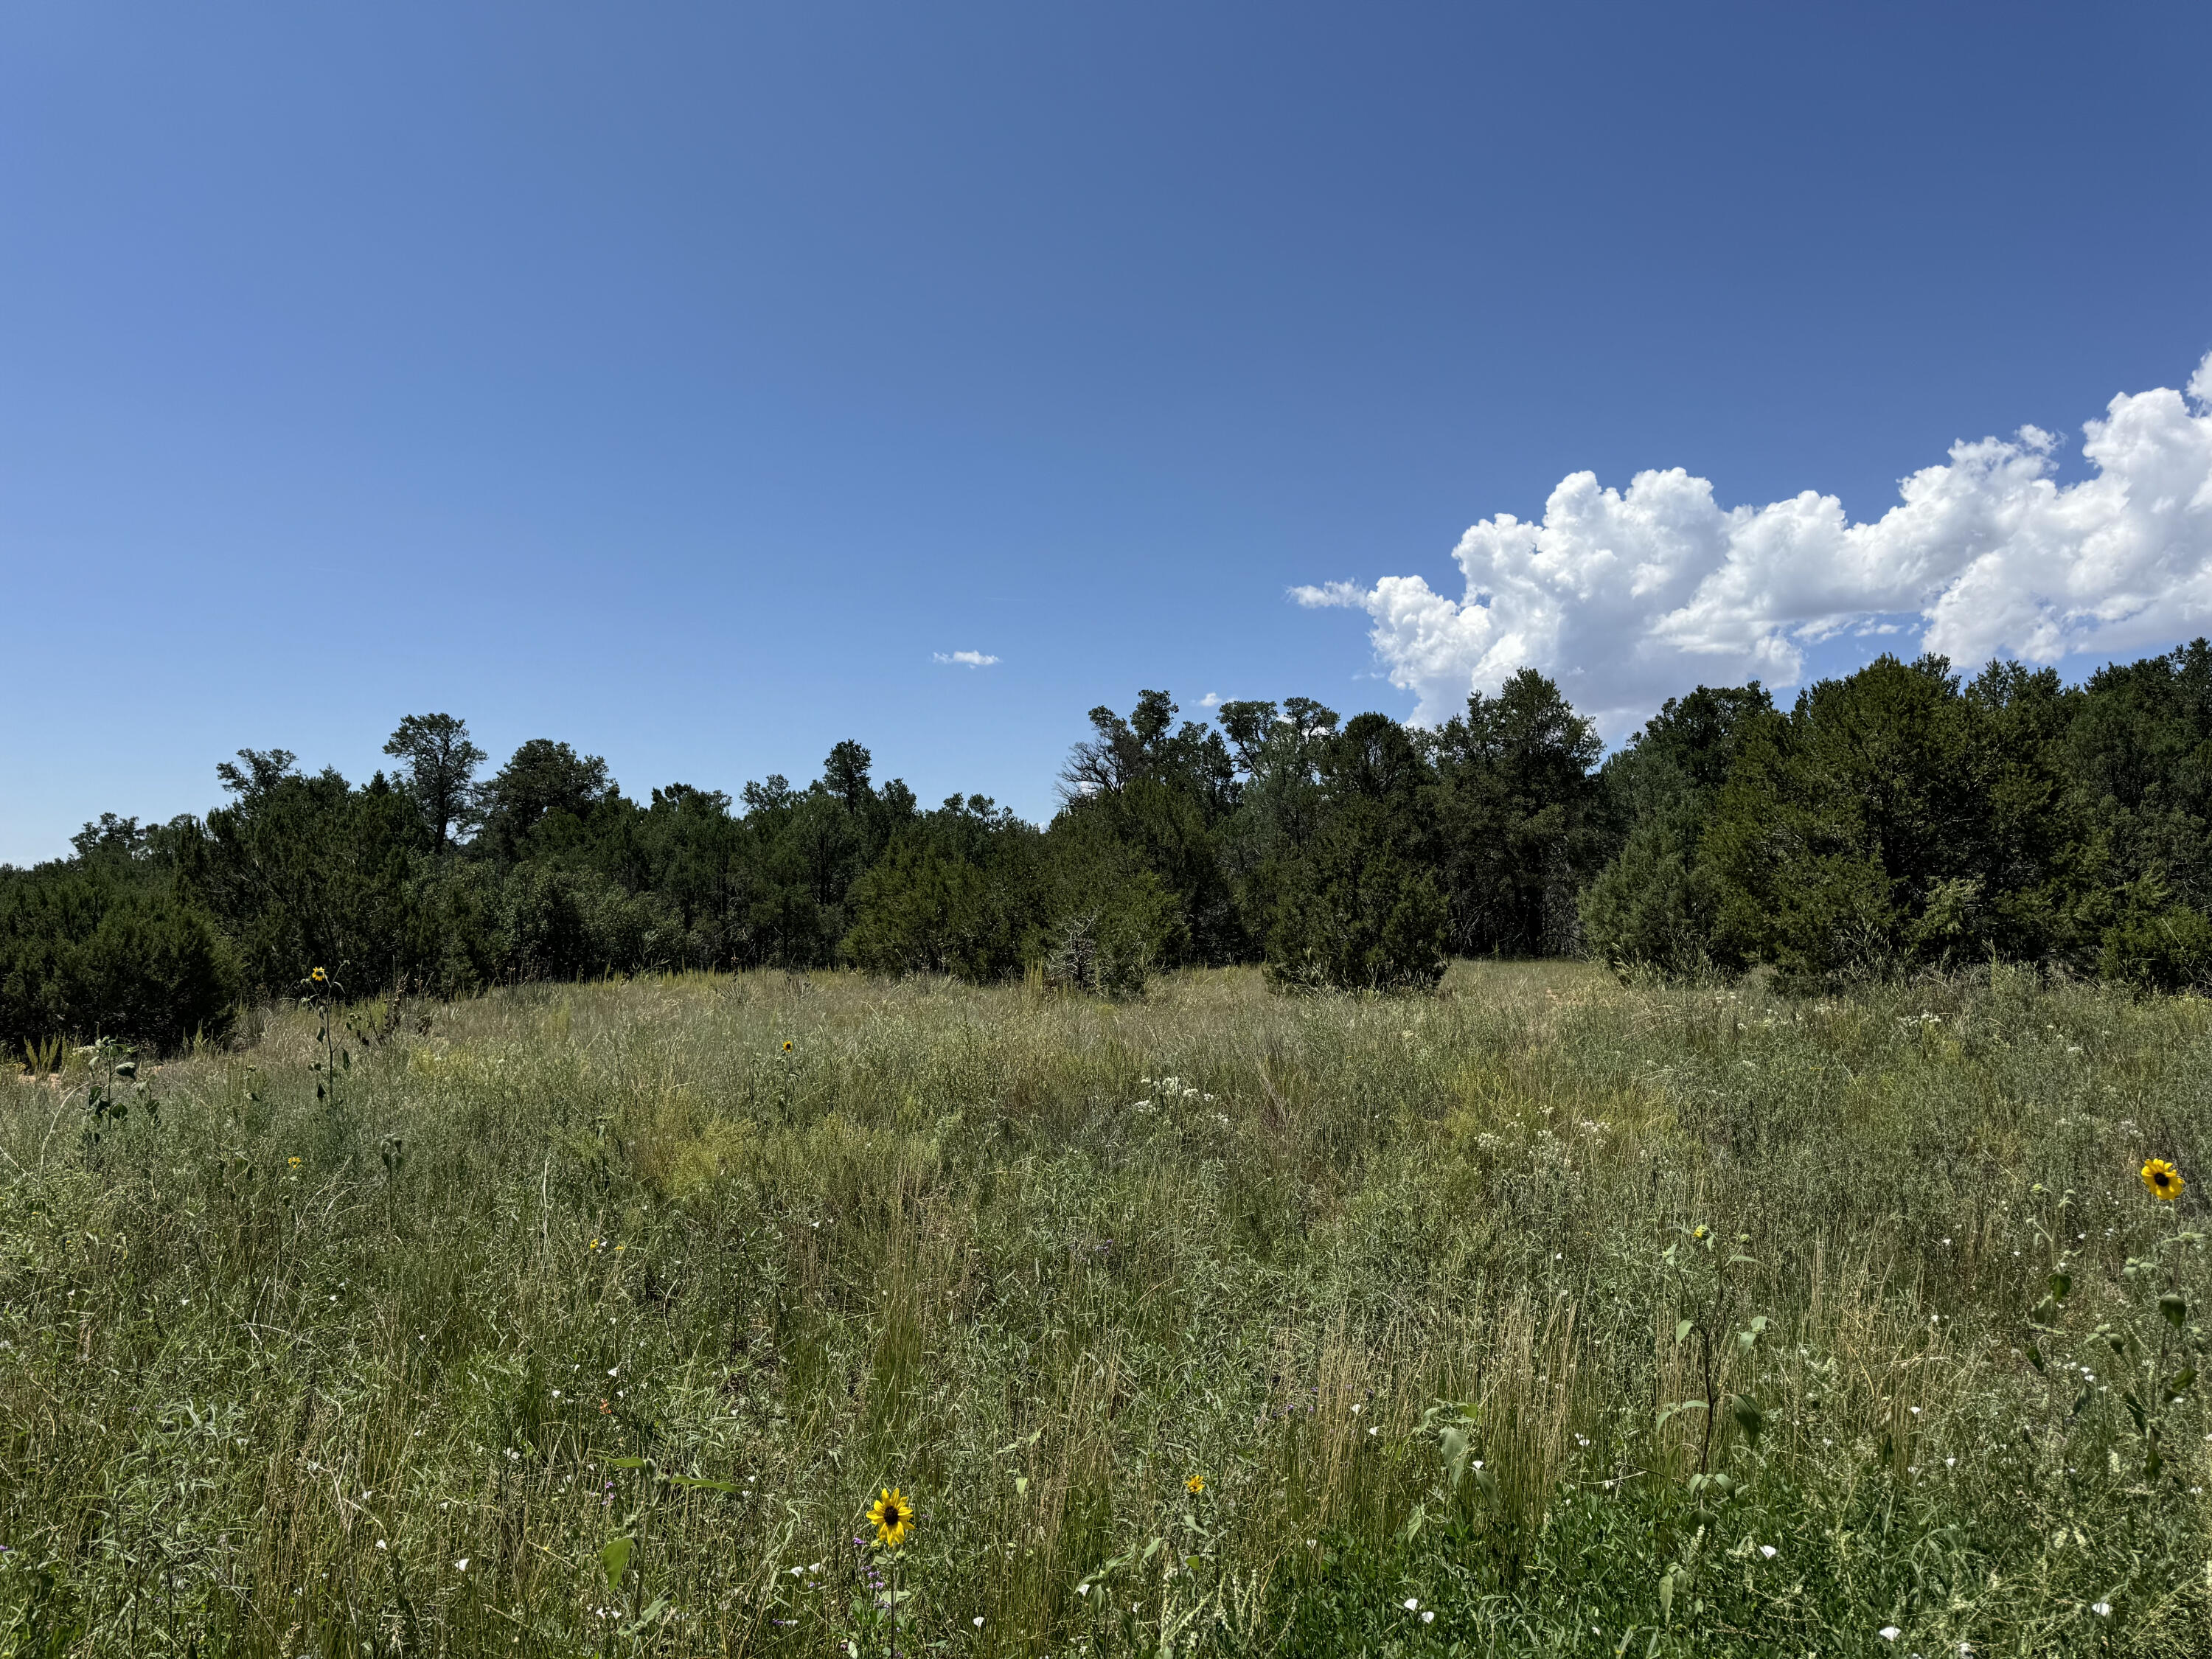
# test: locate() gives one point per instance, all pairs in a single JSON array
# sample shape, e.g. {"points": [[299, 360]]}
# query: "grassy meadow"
{"points": [[1547, 1315]]}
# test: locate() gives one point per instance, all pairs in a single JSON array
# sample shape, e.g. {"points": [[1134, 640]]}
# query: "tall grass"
{"points": [[567, 1266]]}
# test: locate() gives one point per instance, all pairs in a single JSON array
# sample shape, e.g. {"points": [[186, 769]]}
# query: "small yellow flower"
{"points": [[1700, 1233], [786, 1045], [891, 1515], [597, 1243], [2162, 1180], [318, 976], [619, 1248], [293, 1161], [1196, 1485]]}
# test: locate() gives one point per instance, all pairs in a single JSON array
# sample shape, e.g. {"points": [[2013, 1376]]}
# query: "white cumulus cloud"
{"points": [[971, 658], [1629, 597]]}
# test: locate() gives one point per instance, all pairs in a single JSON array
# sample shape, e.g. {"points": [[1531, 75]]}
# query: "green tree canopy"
{"points": [[1518, 811], [543, 780], [438, 770]]}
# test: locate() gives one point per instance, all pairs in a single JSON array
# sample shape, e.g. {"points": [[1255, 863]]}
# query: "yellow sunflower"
{"points": [[786, 1045], [891, 1515], [318, 977], [2162, 1180], [1196, 1485]]}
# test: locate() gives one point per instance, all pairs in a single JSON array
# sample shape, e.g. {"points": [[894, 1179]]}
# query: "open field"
{"points": [[388, 1371]]}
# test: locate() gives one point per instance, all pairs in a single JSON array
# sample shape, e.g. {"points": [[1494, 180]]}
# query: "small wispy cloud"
{"points": [[966, 658], [1211, 699]]}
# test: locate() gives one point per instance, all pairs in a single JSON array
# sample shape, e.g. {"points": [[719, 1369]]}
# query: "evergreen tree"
{"points": [[1656, 903], [439, 771], [545, 786], [1853, 835], [1894, 821], [2136, 759], [953, 893], [1164, 792], [1519, 814], [1357, 907]]}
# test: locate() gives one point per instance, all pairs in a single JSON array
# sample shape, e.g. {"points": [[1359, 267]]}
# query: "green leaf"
{"points": [[2060, 1285], [1667, 1596], [2034, 1356], [1454, 1446], [2181, 1381], [1748, 1417], [615, 1558], [646, 1620], [2173, 1310], [1682, 1330]]}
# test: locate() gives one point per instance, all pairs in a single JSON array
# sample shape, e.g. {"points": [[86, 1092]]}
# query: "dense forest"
{"points": [[1900, 819]]}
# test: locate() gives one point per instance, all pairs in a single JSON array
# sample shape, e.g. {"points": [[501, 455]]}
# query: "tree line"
{"points": [[1897, 819]]}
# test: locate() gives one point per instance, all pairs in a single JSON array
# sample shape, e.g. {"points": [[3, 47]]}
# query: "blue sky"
{"points": [[682, 380]]}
